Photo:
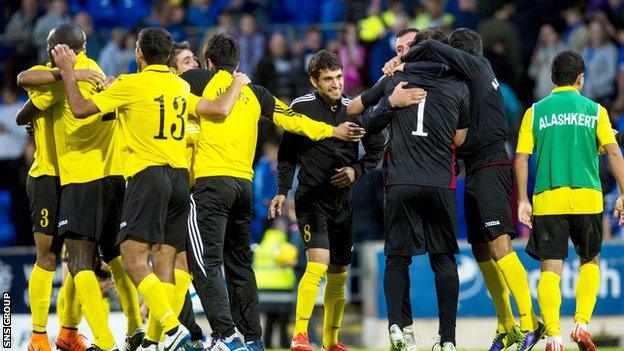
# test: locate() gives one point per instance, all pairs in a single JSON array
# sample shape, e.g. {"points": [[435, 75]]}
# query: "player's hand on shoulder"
{"points": [[344, 177], [402, 97], [88, 75], [348, 131], [30, 129], [525, 213], [275, 209], [241, 78], [392, 66], [64, 57], [619, 210]]}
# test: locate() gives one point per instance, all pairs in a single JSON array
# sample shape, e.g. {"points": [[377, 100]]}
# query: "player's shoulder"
{"points": [[46, 67], [304, 100]]}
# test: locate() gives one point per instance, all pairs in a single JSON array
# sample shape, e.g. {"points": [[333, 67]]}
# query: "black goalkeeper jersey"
{"points": [[421, 149]]}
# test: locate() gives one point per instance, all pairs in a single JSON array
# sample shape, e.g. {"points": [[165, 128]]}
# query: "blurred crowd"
{"points": [[278, 37]]}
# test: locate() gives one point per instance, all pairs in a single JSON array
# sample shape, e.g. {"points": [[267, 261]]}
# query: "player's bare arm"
{"points": [[402, 97], [356, 107], [460, 136], [220, 108], [344, 177], [616, 163], [521, 170], [275, 209], [34, 78], [348, 131], [26, 113], [65, 58]]}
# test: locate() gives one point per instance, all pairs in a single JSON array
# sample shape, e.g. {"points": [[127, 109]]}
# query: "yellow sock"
{"points": [[60, 301], [182, 282], [71, 313], [90, 296], [128, 296], [518, 284], [155, 297], [586, 292], [154, 329], [497, 287], [306, 295], [549, 297], [106, 305], [40, 295], [334, 303]]}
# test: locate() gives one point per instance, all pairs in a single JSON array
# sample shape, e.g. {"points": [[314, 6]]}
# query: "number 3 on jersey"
{"points": [[179, 104], [420, 120]]}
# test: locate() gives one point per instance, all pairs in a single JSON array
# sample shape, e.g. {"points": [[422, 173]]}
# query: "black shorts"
{"points": [[420, 219], [487, 203], [92, 209], [44, 195], [324, 218], [549, 239], [156, 206]]}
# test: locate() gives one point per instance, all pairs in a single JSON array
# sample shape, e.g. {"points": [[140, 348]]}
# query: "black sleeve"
{"points": [[372, 96], [619, 137], [460, 61], [198, 79], [373, 148], [266, 100], [464, 109], [287, 157], [376, 118]]}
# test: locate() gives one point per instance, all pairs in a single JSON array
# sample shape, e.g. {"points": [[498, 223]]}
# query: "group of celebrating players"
{"points": [[151, 172]]}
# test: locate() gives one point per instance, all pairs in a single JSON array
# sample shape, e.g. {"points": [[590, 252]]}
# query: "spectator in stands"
{"points": [[575, 35], [103, 12], [110, 58], [177, 26], [433, 16], [377, 25], [56, 14], [549, 44], [13, 139], [95, 42], [264, 188], [353, 57], [312, 43], [159, 15], [20, 27], [600, 57], [131, 12], [278, 71], [618, 104], [467, 15], [251, 43], [499, 28], [204, 13]]}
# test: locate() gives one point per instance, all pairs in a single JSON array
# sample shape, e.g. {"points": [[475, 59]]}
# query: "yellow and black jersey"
{"points": [[46, 162], [152, 109], [226, 147], [87, 148]]}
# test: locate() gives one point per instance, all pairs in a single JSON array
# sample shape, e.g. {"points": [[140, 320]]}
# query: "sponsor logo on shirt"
{"points": [[492, 223], [62, 223]]}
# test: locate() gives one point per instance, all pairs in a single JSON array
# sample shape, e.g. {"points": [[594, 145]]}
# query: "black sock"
{"points": [[447, 290], [395, 286], [146, 343]]}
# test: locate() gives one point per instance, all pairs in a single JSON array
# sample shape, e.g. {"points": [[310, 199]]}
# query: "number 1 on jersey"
{"points": [[420, 119]]}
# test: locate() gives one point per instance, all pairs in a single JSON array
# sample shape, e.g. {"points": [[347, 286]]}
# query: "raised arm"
{"points": [[26, 113], [36, 77], [368, 98], [291, 121], [458, 60], [65, 58], [221, 107], [375, 119]]}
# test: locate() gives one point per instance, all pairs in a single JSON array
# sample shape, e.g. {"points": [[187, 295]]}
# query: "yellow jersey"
{"points": [[152, 109], [565, 200], [46, 162], [87, 148], [226, 147]]}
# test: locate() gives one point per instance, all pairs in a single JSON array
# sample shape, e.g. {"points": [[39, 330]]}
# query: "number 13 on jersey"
{"points": [[420, 120], [179, 106]]}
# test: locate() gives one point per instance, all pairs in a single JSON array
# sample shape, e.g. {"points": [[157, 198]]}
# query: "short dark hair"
{"points": [[156, 45], [69, 34], [323, 60], [223, 51], [467, 40], [566, 67], [405, 31], [431, 33], [178, 47]]}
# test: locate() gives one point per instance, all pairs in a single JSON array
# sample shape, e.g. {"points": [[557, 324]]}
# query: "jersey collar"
{"points": [[157, 68], [564, 88]]}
